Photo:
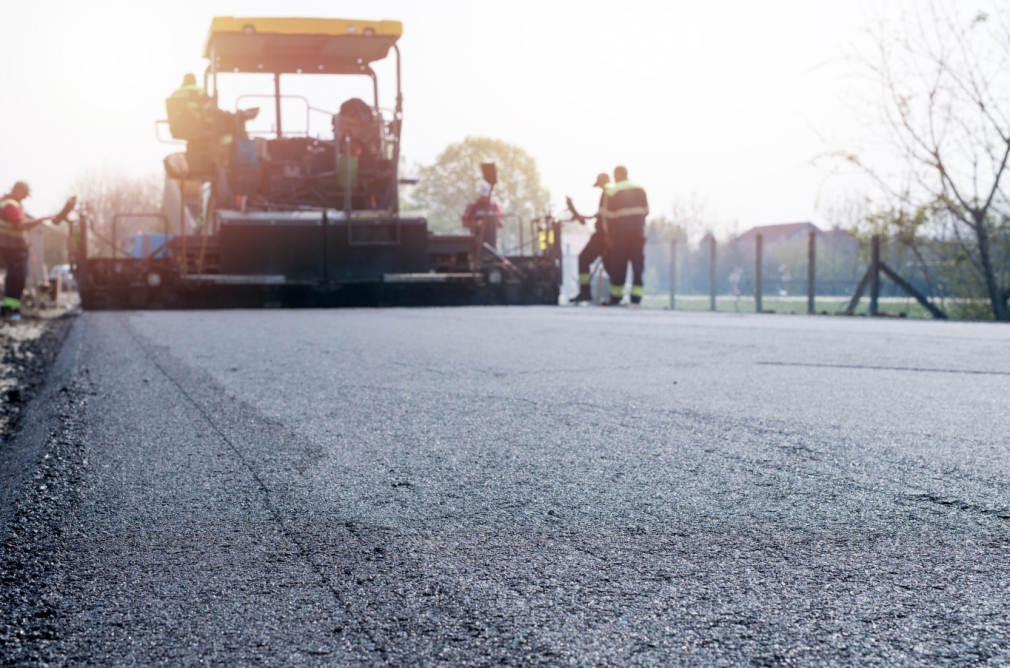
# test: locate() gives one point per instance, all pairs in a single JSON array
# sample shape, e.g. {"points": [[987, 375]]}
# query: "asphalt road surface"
{"points": [[519, 486]]}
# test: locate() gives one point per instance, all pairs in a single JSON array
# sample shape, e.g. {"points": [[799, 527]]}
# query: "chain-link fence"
{"points": [[726, 276]]}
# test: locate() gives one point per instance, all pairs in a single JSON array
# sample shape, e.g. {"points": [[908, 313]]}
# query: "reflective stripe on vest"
{"points": [[7, 228], [613, 188], [629, 211]]}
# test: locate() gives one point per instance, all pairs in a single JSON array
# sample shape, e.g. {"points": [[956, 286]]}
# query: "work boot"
{"points": [[585, 295], [614, 301], [636, 300]]}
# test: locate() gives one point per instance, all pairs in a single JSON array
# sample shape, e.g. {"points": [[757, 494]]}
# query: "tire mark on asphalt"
{"points": [[270, 505]]}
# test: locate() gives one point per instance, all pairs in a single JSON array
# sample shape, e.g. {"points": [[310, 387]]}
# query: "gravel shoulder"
{"points": [[27, 352]]}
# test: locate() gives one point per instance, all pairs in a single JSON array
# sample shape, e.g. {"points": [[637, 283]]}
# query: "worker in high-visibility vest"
{"points": [[194, 94], [191, 112], [14, 226], [626, 209]]}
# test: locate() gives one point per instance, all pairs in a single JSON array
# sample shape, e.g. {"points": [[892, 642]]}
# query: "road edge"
{"points": [[19, 456], [48, 446]]}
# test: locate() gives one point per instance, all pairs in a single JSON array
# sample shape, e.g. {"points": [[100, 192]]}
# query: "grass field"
{"points": [[892, 306]]}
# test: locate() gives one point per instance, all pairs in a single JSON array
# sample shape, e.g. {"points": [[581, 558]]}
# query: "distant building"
{"points": [[772, 234]]}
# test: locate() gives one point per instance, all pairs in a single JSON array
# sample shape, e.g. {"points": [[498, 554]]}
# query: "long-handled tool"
{"points": [[56, 219], [65, 211]]}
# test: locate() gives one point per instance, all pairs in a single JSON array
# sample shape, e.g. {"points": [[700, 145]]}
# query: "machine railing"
{"points": [[296, 133], [121, 216]]}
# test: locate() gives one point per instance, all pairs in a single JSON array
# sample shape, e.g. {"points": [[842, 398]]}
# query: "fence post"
{"points": [[811, 272], [758, 276], [711, 274], [673, 273], [874, 273]]}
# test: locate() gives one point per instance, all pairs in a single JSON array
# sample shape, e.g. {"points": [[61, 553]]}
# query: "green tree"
{"points": [[445, 188]]}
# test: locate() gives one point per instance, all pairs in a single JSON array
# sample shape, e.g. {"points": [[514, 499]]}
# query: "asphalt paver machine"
{"points": [[294, 219]]}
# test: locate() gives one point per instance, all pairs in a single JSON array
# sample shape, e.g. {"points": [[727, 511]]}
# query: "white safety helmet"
{"points": [[484, 190]]}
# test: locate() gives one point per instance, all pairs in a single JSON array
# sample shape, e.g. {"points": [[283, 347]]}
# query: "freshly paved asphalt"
{"points": [[520, 486]]}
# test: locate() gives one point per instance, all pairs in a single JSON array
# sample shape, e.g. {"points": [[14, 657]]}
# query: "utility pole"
{"points": [[811, 272], [711, 273], [673, 273], [874, 274], [758, 276]]}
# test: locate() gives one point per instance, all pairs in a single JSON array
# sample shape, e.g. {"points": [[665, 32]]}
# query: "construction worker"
{"points": [[210, 133], [598, 245], [484, 217], [14, 226], [196, 95], [626, 208]]}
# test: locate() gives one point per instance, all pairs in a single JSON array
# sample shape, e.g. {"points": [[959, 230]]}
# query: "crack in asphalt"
{"points": [[875, 367], [955, 503]]}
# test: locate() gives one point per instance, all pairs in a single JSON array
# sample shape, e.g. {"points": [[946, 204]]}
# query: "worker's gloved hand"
{"points": [[575, 214], [65, 211]]}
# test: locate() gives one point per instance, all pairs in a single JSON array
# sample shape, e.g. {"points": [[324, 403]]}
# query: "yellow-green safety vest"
{"points": [[185, 91]]}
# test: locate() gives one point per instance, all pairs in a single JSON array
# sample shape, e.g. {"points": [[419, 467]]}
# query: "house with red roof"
{"points": [[771, 234]]}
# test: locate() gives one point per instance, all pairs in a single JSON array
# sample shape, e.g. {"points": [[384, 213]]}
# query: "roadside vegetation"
{"points": [[106, 192], [447, 185], [940, 149]]}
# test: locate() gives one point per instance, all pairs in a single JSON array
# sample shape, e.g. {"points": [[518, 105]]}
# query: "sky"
{"points": [[724, 101]]}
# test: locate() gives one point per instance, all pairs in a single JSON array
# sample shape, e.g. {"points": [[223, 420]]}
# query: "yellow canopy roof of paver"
{"points": [[324, 46]]}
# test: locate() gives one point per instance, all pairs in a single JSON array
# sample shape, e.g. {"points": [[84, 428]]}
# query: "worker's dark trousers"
{"points": [[597, 247], [16, 259], [490, 234], [628, 247]]}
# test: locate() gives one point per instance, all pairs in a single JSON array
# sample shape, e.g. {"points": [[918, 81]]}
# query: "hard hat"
{"points": [[484, 190], [189, 80], [601, 180]]}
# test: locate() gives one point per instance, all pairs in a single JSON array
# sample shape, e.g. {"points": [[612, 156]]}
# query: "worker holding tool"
{"points": [[626, 209], [598, 245], [483, 216], [14, 226]]}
